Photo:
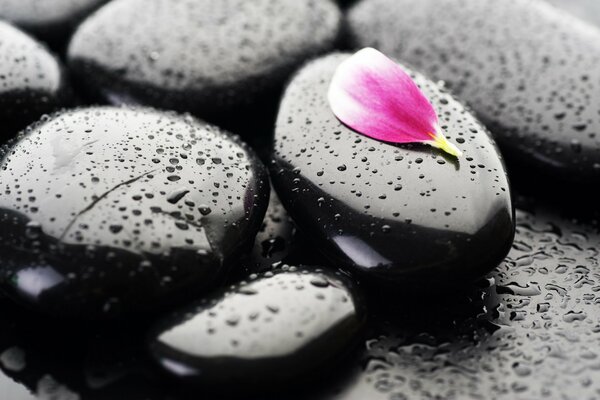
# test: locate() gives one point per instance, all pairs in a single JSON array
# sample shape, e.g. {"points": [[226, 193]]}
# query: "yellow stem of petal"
{"points": [[440, 141]]}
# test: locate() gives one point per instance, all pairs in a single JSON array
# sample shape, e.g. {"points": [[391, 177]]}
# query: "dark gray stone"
{"points": [[112, 210], [201, 56], [393, 212], [278, 327]]}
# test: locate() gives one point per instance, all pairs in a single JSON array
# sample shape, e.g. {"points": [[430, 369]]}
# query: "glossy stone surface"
{"points": [[50, 21], [588, 10], [529, 71], [200, 56], [32, 81], [110, 210], [394, 213], [277, 327]]}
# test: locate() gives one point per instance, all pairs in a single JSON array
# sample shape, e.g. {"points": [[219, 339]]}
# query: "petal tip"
{"points": [[444, 144]]}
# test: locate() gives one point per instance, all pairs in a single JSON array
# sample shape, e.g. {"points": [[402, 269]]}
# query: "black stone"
{"points": [[50, 21], [32, 81], [392, 212], [529, 70], [112, 210], [278, 327], [214, 59]]}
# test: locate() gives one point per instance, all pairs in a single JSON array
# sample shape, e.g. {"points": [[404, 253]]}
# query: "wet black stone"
{"points": [[32, 81], [588, 10], [278, 327], [90, 225], [214, 59], [50, 21], [529, 71], [394, 213]]}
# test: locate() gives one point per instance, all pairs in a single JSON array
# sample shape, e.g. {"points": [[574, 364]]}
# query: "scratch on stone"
{"points": [[101, 197]]}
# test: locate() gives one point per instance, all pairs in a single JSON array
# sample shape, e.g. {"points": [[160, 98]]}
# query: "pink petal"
{"points": [[374, 96]]}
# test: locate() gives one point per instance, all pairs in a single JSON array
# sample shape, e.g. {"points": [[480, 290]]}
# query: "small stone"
{"points": [[286, 329]]}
